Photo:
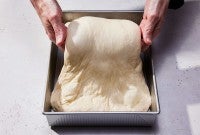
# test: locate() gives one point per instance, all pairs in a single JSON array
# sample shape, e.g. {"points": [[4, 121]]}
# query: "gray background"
{"points": [[24, 54]]}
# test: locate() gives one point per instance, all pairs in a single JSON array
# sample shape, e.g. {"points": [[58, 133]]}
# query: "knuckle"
{"points": [[53, 16], [49, 28], [154, 17], [148, 30]]}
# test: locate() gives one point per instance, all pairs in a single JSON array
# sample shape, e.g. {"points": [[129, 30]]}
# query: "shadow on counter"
{"points": [[178, 89], [105, 130]]}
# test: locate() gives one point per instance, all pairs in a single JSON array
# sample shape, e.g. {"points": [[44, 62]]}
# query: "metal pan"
{"points": [[101, 118]]}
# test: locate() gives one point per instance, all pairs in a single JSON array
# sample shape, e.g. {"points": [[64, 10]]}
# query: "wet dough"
{"points": [[102, 68]]}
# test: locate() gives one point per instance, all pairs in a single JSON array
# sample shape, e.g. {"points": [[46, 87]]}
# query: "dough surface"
{"points": [[102, 68]]}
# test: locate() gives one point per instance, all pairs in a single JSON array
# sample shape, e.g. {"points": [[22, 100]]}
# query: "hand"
{"points": [[153, 17], [50, 14]]}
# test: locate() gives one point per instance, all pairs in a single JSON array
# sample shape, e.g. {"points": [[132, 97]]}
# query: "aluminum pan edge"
{"points": [[61, 113], [103, 11], [155, 88]]}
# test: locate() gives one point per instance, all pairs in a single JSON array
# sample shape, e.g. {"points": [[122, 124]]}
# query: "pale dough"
{"points": [[102, 68]]}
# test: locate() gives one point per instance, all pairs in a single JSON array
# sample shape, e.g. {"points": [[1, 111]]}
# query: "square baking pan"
{"points": [[101, 118]]}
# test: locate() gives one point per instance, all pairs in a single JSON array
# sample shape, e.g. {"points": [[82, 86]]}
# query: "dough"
{"points": [[102, 68]]}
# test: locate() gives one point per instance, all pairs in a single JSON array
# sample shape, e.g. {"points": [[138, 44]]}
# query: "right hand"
{"points": [[50, 14], [153, 18]]}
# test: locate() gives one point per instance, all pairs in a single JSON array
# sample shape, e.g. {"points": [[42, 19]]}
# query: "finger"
{"points": [[60, 32], [147, 35], [48, 29], [157, 29], [61, 35], [50, 32], [144, 47], [148, 30], [51, 36], [142, 24]]}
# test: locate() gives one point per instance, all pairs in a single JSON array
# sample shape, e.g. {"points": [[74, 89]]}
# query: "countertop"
{"points": [[24, 55]]}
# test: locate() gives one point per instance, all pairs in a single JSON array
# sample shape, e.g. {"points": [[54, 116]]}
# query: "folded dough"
{"points": [[102, 68]]}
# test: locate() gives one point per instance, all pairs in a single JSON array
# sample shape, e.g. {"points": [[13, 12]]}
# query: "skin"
{"points": [[50, 15], [153, 18]]}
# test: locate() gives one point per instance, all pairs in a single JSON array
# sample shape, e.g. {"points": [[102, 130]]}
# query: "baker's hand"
{"points": [[153, 17], [50, 14]]}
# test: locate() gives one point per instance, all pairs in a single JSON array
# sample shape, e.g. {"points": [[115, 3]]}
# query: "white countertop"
{"points": [[24, 55]]}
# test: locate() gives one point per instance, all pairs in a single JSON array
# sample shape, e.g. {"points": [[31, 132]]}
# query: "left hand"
{"points": [[50, 14], [153, 17]]}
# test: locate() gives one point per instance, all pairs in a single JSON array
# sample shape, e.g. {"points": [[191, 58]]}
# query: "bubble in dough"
{"points": [[102, 68]]}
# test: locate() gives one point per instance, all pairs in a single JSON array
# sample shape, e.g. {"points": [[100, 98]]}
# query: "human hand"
{"points": [[153, 17], [50, 14]]}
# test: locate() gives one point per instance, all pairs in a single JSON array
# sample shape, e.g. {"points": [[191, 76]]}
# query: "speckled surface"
{"points": [[24, 55]]}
